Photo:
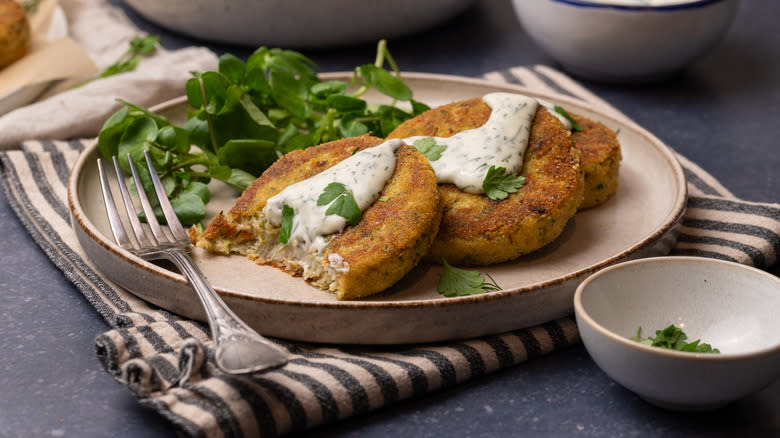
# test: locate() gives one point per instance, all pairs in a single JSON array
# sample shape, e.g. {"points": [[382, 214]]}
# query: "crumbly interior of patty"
{"points": [[254, 237]]}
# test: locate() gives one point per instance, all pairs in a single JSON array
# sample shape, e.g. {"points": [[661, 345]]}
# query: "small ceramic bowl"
{"points": [[730, 306], [625, 40]]}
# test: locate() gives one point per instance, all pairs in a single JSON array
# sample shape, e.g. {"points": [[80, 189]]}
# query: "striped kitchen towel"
{"points": [[167, 361]]}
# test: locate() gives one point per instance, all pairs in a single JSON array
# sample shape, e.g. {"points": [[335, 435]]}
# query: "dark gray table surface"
{"points": [[722, 113]]}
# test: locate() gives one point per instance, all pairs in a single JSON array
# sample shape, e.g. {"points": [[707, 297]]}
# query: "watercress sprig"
{"points": [[246, 114]]}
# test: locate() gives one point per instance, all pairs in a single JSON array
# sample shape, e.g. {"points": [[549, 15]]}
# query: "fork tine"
{"points": [[117, 228], [151, 219], [127, 200], [170, 216]]}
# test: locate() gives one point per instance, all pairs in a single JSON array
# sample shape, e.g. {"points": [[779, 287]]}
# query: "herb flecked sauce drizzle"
{"points": [[364, 174], [502, 139]]}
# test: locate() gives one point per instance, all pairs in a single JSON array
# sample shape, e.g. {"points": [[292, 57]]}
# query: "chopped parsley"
{"points": [[498, 184], [456, 282], [428, 147], [673, 338], [287, 219], [574, 125], [342, 202]]}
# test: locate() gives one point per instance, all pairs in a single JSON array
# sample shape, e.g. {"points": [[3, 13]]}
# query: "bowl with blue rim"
{"points": [[625, 40]]}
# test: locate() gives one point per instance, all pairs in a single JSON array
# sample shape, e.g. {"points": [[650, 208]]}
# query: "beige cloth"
{"points": [[104, 31]]}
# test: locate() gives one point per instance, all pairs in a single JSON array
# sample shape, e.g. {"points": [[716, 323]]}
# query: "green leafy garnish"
{"points": [[498, 184], [574, 125], [673, 338], [287, 220], [342, 202], [244, 116], [428, 147], [460, 282], [139, 47]]}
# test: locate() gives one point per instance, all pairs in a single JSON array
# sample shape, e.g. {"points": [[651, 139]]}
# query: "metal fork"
{"points": [[239, 349]]}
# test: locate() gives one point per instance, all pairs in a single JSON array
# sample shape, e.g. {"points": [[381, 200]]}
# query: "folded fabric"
{"points": [[70, 113], [167, 361]]}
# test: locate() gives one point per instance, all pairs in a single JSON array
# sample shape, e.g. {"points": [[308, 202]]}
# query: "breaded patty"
{"points": [[392, 236], [600, 160], [15, 34], [478, 231]]}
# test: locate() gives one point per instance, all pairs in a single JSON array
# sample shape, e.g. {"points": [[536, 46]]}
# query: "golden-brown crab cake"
{"points": [[478, 231], [393, 234], [15, 33], [600, 160]]}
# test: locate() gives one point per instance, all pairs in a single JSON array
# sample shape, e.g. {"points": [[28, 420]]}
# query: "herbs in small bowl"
{"points": [[673, 338], [731, 306]]}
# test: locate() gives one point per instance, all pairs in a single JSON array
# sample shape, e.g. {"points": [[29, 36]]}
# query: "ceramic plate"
{"points": [[640, 221], [23, 95]]}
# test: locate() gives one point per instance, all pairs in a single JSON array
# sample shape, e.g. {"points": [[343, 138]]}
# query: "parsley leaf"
{"points": [[331, 192], [460, 282], [287, 219], [673, 338], [574, 125], [341, 201], [498, 184], [428, 147]]}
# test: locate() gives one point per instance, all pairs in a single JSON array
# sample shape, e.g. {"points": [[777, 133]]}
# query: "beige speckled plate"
{"points": [[640, 221]]}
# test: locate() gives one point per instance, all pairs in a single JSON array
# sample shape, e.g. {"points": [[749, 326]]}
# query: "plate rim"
{"points": [[673, 218]]}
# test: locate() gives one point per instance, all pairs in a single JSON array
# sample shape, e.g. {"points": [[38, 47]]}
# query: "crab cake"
{"points": [[476, 230], [398, 224], [600, 160], [15, 33]]}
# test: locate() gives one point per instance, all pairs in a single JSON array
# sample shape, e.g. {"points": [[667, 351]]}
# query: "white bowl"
{"points": [[297, 23], [625, 40], [731, 306]]}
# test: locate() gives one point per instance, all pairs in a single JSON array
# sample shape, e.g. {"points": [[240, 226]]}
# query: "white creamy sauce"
{"points": [[364, 174], [500, 142]]}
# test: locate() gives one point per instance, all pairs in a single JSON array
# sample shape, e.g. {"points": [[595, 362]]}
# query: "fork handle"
{"points": [[239, 349]]}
